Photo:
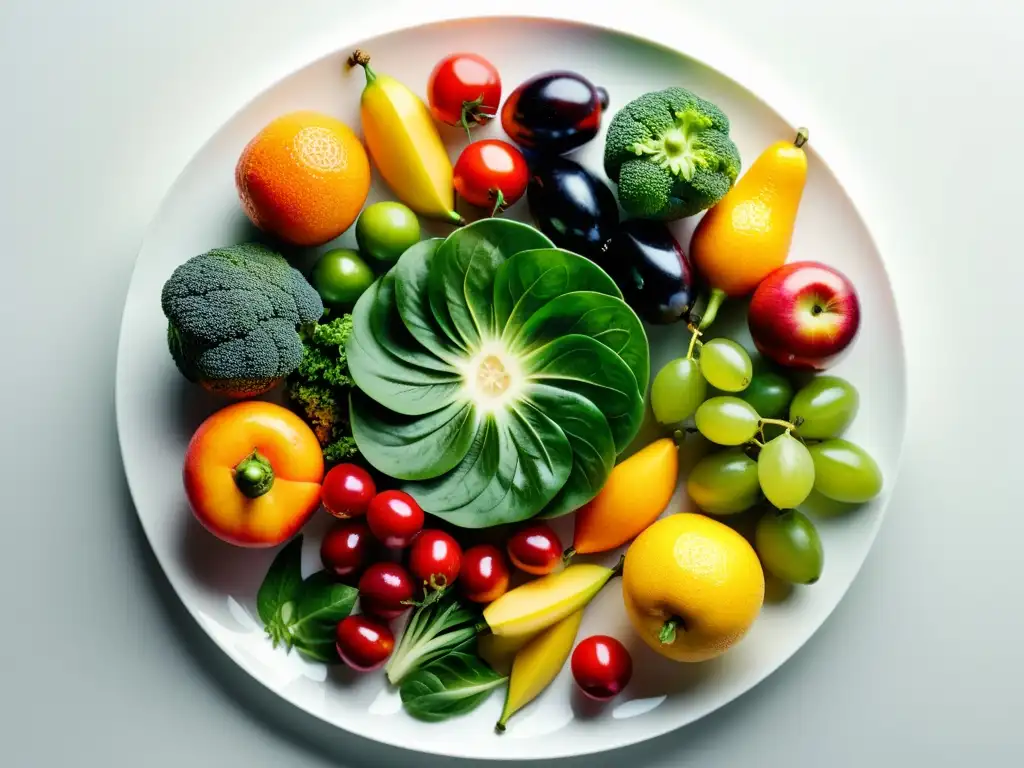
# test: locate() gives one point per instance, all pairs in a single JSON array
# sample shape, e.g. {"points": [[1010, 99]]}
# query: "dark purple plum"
{"points": [[554, 112]]}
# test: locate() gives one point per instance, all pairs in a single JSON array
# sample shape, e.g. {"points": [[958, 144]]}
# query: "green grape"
{"points": [[724, 483], [726, 420], [726, 365], [677, 390], [844, 471], [789, 546], [769, 393], [827, 405], [786, 471]]}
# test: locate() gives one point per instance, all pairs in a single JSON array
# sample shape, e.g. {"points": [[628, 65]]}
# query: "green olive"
{"points": [[385, 230], [340, 276]]}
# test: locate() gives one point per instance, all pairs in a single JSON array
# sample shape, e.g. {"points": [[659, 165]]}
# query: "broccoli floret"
{"points": [[233, 316], [318, 389], [670, 153]]}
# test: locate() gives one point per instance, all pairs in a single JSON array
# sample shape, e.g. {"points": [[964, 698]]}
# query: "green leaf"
{"points": [[392, 382], [390, 332], [411, 447], [280, 587], [412, 274], [534, 461], [322, 603], [452, 686], [591, 441], [584, 366], [530, 279], [468, 479], [462, 289], [601, 317]]}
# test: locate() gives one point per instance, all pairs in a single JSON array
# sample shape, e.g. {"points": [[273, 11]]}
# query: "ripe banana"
{"points": [[538, 663], [538, 604], [405, 145]]}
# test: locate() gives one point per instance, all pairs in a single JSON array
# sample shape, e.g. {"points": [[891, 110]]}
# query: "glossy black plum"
{"points": [[572, 206], [652, 270], [554, 112]]}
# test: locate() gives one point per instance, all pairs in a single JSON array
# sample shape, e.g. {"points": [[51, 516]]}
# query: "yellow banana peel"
{"points": [[538, 663], [404, 144]]}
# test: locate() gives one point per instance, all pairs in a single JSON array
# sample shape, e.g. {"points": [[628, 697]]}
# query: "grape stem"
{"points": [[757, 442], [781, 422], [693, 343]]}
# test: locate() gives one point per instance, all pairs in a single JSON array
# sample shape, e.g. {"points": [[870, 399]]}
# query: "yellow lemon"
{"points": [[692, 587]]}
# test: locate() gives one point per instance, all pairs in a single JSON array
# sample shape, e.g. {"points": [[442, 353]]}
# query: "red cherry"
{"points": [[363, 643], [384, 589], [602, 667], [435, 559], [394, 518], [484, 575], [345, 547], [535, 549], [347, 491]]}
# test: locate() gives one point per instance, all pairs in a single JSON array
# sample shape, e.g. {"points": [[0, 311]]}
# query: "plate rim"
{"points": [[779, 101]]}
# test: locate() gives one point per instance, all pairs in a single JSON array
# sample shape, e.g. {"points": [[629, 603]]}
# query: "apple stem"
{"points": [[802, 134], [711, 311], [667, 635]]}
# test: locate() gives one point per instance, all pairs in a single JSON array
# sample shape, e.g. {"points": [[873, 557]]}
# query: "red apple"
{"points": [[804, 314]]}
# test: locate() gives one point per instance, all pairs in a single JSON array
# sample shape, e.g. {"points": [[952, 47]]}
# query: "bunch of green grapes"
{"points": [[766, 456]]}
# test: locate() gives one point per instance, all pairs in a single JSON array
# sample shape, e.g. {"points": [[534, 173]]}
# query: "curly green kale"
{"points": [[233, 316], [670, 153], [318, 389]]}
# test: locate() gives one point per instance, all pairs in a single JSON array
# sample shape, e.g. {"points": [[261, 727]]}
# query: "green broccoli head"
{"points": [[670, 153], [318, 389], [233, 317]]}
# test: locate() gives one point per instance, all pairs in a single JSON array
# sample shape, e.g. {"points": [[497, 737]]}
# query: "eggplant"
{"points": [[651, 269], [554, 112], [572, 206]]}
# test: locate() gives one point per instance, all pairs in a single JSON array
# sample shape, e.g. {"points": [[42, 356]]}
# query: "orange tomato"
{"points": [[636, 492], [252, 473], [304, 178]]}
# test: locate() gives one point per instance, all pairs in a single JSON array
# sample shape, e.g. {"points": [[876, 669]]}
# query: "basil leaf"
{"points": [[280, 588], [325, 652], [530, 279], [412, 276], [584, 366], [602, 318], [590, 438], [407, 389], [454, 685], [468, 260], [391, 333], [411, 447]]}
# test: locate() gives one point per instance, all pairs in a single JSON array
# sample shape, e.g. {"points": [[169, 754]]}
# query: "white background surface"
{"points": [[100, 106]]}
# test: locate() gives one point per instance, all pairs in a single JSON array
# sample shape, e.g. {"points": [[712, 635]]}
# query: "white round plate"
{"points": [[157, 411]]}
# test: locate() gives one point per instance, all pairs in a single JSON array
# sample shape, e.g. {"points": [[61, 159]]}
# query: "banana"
{"points": [[538, 663], [538, 604], [405, 145]]}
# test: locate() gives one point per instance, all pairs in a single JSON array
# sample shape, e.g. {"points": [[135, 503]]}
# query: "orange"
{"points": [[303, 178], [692, 587], [747, 235]]}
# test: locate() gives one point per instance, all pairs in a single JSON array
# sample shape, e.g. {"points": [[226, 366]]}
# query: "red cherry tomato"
{"points": [[363, 643], [435, 559], [535, 549], [484, 574], [602, 667], [394, 518], [347, 490], [384, 589], [345, 548], [491, 173], [464, 89]]}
